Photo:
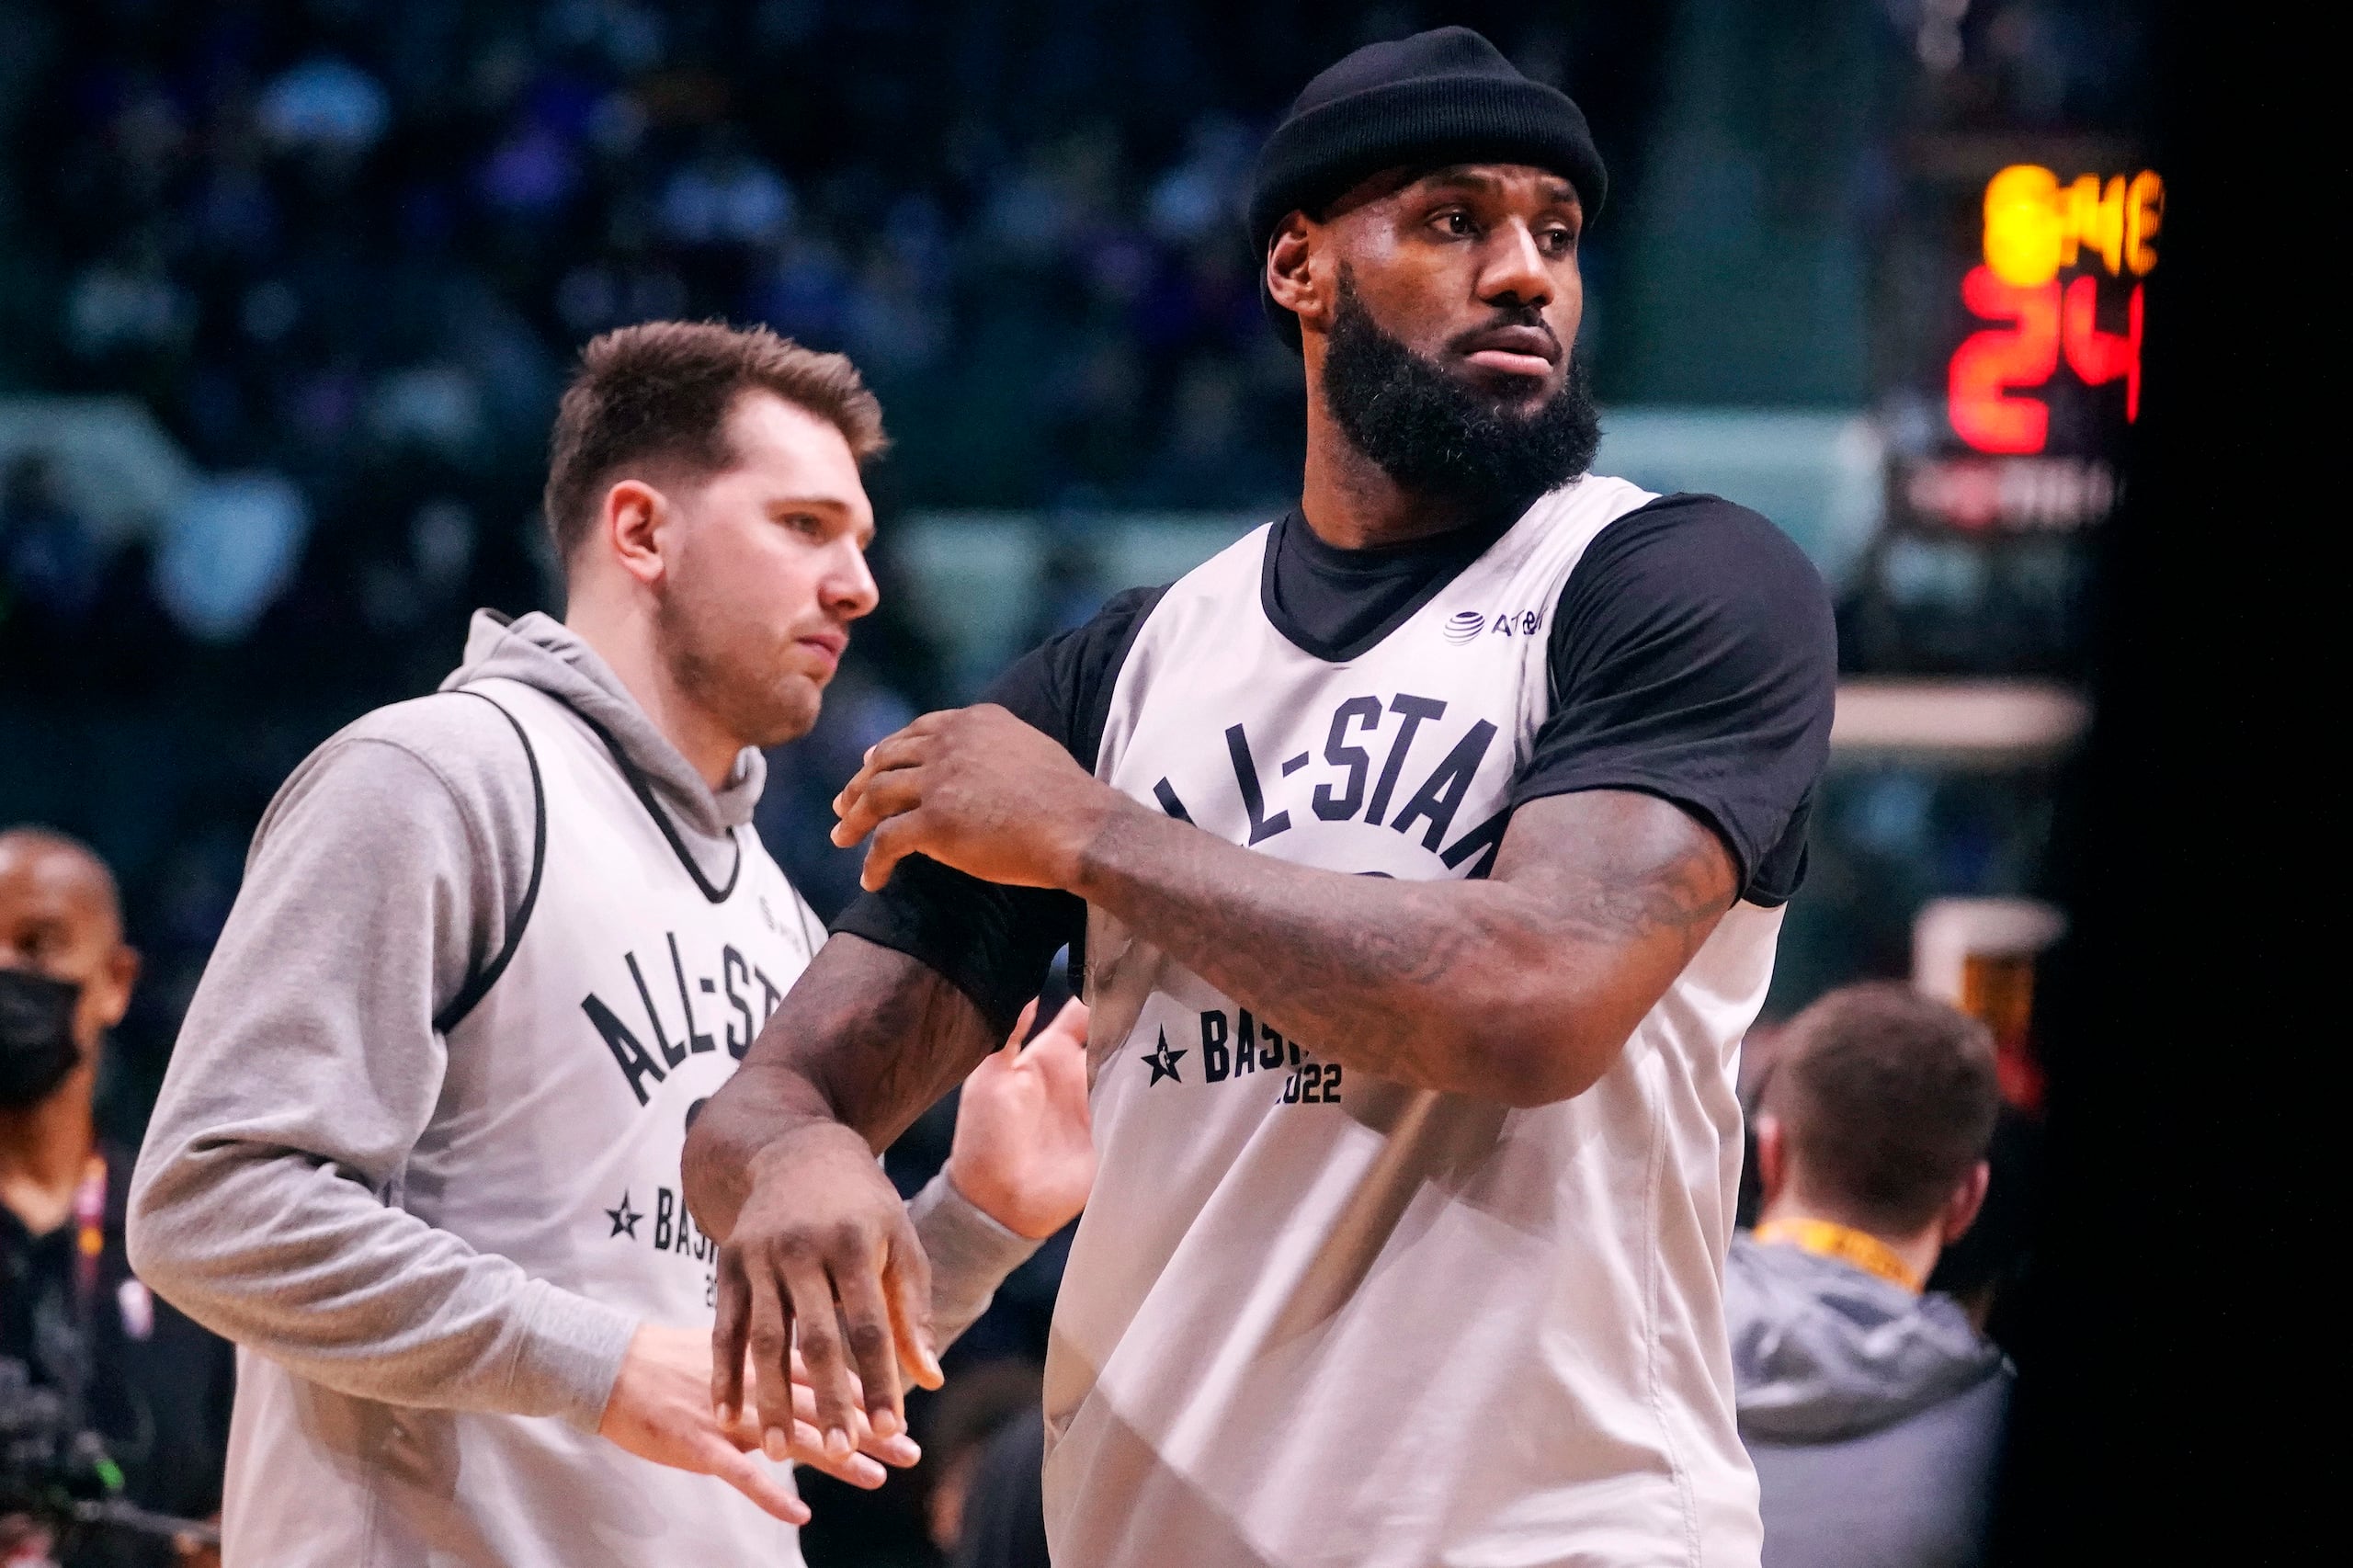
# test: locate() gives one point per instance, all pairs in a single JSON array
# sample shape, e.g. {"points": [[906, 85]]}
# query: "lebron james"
{"points": [[1427, 850]]}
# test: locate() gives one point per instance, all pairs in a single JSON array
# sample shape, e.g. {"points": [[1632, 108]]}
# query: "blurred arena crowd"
{"points": [[344, 252]]}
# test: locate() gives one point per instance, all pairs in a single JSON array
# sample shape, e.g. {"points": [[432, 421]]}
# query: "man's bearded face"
{"points": [[1438, 435]]}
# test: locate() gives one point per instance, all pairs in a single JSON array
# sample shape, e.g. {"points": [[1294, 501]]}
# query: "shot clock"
{"points": [[2041, 360], [2102, 234], [2012, 304]]}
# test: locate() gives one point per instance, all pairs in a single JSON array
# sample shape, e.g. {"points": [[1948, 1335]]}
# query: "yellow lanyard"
{"points": [[90, 1230], [1858, 1249]]}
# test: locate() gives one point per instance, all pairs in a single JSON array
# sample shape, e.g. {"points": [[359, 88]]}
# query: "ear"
{"points": [[1293, 278], [1961, 1208], [1772, 1158], [630, 525], [110, 992], [121, 975]]}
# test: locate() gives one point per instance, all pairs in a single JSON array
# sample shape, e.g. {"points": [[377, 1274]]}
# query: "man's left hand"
{"points": [[1024, 1153], [978, 790]]}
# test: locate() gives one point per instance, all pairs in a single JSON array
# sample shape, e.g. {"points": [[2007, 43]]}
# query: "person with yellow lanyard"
{"points": [[1872, 1409], [77, 1327]]}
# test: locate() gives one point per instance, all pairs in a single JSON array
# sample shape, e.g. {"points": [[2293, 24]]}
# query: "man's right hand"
{"points": [[660, 1409], [822, 1223]]}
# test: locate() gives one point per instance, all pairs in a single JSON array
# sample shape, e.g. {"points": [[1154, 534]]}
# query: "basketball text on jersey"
{"points": [[1237, 1045]]}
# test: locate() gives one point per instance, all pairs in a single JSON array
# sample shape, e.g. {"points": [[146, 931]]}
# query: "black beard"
{"points": [[1440, 438]]}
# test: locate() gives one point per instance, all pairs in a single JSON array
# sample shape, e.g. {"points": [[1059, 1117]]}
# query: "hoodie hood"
{"points": [[1823, 1352], [540, 652]]}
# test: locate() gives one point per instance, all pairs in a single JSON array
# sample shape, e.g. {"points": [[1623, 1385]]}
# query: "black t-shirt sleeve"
{"points": [[994, 943], [1693, 658]]}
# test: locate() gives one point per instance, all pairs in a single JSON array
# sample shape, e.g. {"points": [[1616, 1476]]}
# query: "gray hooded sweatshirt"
{"points": [[1874, 1415], [381, 884]]}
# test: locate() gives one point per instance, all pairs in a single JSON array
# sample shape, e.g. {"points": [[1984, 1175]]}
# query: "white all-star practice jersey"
{"points": [[634, 989], [1313, 1317]]}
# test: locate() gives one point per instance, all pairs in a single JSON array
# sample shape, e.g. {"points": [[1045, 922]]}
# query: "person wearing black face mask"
{"points": [[151, 1382], [36, 1048]]}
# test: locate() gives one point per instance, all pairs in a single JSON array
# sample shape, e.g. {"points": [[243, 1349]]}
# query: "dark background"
{"points": [[2184, 1211]]}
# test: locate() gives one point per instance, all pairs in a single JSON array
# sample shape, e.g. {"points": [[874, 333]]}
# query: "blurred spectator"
{"points": [[78, 617], [1004, 1520], [1873, 1411], [49, 565], [324, 103], [153, 1384], [1989, 1270], [228, 552], [726, 197], [961, 1428]]}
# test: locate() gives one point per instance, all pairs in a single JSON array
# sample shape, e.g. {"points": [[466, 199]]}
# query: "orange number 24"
{"points": [[1991, 367]]}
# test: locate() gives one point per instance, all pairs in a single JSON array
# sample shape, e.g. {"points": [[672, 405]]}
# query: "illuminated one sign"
{"points": [[2036, 228]]}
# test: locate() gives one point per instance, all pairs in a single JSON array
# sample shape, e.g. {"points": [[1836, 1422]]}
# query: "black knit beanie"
{"points": [[1443, 97]]}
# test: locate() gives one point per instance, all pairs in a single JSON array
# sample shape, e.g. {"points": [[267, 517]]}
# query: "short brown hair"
{"points": [[661, 392], [1887, 1099]]}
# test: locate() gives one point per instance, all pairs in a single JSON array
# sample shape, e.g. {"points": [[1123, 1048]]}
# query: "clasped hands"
{"points": [[660, 1409], [823, 1224]]}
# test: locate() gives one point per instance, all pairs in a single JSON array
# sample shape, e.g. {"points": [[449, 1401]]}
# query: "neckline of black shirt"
{"points": [[1336, 604]]}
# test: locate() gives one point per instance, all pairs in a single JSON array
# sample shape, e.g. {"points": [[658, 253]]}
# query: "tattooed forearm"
{"points": [[867, 1036], [883, 1036], [1632, 891], [1521, 987]]}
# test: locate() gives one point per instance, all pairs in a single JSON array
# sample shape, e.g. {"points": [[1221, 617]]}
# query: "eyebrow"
{"points": [[826, 504], [1555, 191]]}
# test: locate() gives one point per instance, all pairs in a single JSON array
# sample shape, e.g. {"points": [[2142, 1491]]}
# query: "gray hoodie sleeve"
{"points": [[266, 1201], [971, 1255]]}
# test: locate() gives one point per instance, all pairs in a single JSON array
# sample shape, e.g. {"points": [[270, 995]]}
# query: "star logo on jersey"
{"points": [[624, 1219], [1164, 1060]]}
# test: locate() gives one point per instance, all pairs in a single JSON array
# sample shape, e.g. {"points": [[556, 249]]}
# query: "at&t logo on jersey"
{"points": [[1470, 625]]}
